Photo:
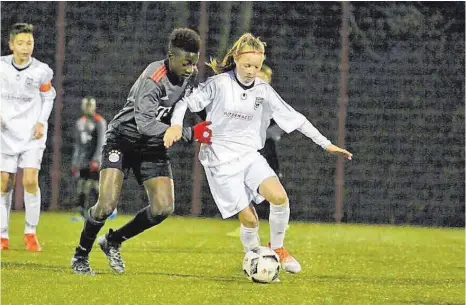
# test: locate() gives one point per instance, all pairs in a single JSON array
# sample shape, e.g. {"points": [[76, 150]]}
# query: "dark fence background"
{"points": [[405, 117]]}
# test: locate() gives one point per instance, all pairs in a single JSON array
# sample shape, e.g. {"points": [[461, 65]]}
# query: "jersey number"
{"points": [[162, 112]]}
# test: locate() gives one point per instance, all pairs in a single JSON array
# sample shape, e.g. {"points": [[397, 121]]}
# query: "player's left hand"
{"points": [[94, 166], [39, 131], [335, 150]]}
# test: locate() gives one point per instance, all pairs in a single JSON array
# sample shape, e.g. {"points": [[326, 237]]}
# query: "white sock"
{"points": [[278, 219], [250, 238], [5, 207], [32, 207]]}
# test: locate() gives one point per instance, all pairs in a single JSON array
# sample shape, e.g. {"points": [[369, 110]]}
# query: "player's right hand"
{"points": [[172, 135], [39, 131]]}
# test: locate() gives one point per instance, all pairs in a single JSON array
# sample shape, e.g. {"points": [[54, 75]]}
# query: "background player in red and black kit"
{"points": [[87, 152], [134, 140]]}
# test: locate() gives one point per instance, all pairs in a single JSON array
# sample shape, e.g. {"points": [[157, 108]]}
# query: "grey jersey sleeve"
{"points": [[101, 128], [146, 105], [76, 146]]}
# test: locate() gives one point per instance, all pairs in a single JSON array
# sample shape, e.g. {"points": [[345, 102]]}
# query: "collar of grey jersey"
{"points": [[172, 77]]}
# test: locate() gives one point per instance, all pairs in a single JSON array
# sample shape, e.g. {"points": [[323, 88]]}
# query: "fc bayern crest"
{"points": [[259, 101], [114, 156]]}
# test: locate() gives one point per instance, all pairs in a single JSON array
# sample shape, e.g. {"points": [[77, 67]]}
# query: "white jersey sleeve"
{"points": [[48, 94], [289, 119], [201, 97]]}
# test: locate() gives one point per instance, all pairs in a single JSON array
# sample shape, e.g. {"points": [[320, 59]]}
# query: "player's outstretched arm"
{"points": [[335, 150], [289, 119]]}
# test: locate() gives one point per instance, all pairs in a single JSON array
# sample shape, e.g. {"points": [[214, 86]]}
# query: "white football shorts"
{"points": [[235, 184], [27, 159]]}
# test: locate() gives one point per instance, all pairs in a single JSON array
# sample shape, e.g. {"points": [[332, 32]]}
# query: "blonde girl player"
{"points": [[26, 103], [269, 151], [240, 106]]}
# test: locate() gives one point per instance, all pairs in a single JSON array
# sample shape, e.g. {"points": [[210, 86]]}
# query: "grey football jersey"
{"points": [[149, 106], [89, 138]]}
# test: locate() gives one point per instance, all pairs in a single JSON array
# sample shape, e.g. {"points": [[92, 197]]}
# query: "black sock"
{"points": [[88, 236], [142, 221]]}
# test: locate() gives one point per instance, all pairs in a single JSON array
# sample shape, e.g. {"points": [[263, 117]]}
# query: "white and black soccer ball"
{"points": [[261, 265]]}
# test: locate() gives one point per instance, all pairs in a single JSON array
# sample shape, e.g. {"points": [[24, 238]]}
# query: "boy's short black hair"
{"points": [[185, 39], [20, 28]]}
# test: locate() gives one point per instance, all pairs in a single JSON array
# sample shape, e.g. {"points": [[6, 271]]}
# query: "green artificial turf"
{"points": [[193, 261]]}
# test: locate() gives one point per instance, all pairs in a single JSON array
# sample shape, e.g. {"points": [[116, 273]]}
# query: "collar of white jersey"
{"points": [[20, 68], [243, 85]]}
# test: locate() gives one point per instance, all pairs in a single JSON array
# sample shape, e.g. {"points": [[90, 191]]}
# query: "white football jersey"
{"points": [[240, 117], [26, 99]]}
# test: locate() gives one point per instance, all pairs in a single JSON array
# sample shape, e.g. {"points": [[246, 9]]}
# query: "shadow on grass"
{"points": [[216, 251], [427, 303], [31, 266], [385, 281], [179, 275], [39, 267], [304, 277]]}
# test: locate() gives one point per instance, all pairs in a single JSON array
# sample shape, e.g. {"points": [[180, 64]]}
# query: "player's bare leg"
{"points": [[7, 183], [273, 191], [32, 201], [237, 232], [94, 190], [111, 182], [88, 187], [160, 191], [249, 228]]}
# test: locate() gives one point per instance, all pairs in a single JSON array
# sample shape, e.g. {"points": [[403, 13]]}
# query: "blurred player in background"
{"points": [[134, 140], [27, 99], [273, 135], [240, 106], [87, 153]]}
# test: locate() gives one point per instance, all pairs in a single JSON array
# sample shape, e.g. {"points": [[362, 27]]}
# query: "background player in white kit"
{"points": [[26, 103], [240, 107]]}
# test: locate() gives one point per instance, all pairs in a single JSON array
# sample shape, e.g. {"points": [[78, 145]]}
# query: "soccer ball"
{"points": [[261, 265]]}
